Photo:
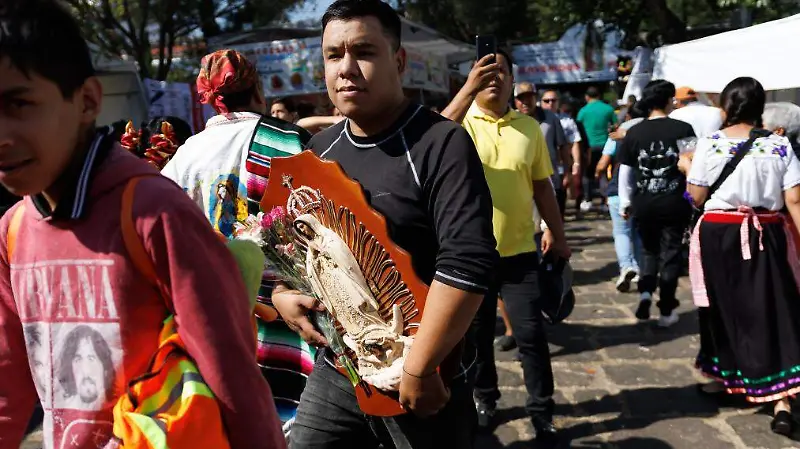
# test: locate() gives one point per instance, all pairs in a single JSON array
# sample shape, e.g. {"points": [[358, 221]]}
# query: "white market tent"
{"points": [[430, 41], [124, 95], [767, 52]]}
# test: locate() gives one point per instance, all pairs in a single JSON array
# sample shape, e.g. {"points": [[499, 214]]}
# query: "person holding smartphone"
{"points": [[517, 166]]}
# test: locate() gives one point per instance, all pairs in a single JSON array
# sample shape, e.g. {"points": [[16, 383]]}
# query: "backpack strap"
{"points": [[13, 230], [133, 243]]}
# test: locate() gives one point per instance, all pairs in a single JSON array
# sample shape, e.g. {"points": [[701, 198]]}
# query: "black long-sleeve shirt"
{"points": [[424, 175]]}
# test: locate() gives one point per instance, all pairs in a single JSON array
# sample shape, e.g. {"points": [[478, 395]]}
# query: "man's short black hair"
{"points": [[42, 37], [286, 102], [656, 95], [305, 109], [593, 92], [240, 101], [354, 9], [508, 58]]}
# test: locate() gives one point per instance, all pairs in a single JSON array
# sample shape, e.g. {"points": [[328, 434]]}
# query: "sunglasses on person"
{"points": [[549, 100]]}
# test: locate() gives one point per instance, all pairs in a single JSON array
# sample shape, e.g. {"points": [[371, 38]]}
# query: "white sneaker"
{"points": [[635, 279], [668, 320], [586, 206], [625, 279]]}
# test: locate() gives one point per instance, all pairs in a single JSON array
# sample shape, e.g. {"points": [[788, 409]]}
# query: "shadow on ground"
{"points": [[606, 273], [576, 338]]}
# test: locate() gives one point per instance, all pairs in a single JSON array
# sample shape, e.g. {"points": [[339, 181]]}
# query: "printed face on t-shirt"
{"points": [[87, 369], [88, 372], [38, 356]]}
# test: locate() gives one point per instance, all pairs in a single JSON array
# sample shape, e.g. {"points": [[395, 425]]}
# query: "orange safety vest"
{"points": [[169, 406]]}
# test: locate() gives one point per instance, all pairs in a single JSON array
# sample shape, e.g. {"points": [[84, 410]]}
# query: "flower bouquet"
{"points": [[274, 233]]}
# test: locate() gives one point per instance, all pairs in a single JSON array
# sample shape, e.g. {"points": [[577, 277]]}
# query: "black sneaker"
{"points": [[782, 423], [545, 429], [486, 415], [505, 343], [643, 311]]}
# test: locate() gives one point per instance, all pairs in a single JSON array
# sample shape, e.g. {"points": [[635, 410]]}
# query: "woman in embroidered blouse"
{"points": [[742, 271]]}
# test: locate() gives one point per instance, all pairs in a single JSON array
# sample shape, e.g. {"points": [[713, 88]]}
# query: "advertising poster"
{"points": [[288, 67], [585, 53], [295, 67], [176, 100]]}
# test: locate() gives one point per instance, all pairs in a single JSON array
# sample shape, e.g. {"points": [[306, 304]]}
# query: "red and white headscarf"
{"points": [[224, 72]]}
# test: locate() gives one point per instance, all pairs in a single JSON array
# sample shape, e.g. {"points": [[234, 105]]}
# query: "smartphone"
{"points": [[485, 45]]}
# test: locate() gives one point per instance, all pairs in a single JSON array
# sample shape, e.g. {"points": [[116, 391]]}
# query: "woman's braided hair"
{"points": [[743, 101]]}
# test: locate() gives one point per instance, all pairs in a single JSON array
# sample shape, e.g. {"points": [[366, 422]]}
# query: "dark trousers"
{"points": [[662, 259], [518, 284], [591, 186], [561, 198], [329, 418]]}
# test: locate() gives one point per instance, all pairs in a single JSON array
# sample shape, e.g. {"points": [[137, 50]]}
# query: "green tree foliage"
{"points": [[149, 31], [650, 22]]}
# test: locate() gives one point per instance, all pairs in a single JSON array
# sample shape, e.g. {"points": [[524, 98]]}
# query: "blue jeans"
{"points": [[627, 242]]}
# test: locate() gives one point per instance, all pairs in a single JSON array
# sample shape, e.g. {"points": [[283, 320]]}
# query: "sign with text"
{"points": [[175, 100], [585, 53]]}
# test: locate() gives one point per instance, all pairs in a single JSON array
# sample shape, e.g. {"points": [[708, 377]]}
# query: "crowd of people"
{"points": [[477, 195]]}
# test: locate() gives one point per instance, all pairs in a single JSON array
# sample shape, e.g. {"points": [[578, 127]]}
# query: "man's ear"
{"points": [[401, 59], [90, 96], [781, 131]]}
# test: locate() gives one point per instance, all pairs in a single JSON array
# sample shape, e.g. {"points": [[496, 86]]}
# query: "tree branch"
{"points": [[108, 17], [126, 13]]}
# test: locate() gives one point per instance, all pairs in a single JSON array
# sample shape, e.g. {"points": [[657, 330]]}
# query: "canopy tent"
{"points": [[766, 52], [124, 96], [430, 41]]}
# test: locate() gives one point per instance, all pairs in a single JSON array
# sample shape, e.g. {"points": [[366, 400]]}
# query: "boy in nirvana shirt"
{"points": [[77, 320]]}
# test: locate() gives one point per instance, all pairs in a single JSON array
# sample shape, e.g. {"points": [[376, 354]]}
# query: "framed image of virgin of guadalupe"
{"points": [[373, 297]]}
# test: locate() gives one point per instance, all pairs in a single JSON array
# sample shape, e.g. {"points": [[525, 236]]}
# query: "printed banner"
{"points": [[295, 67], [425, 71], [585, 53], [288, 67], [176, 100]]}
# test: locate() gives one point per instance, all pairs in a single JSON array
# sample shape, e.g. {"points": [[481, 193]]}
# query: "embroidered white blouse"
{"points": [[769, 168]]}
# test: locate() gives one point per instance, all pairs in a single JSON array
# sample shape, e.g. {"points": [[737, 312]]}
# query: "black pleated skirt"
{"points": [[750, 333]]}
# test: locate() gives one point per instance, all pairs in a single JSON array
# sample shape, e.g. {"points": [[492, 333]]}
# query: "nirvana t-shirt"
{"points": [[651, 149], [424, 175]]}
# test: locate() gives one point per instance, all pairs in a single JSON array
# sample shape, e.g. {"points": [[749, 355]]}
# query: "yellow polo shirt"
{"points": [[514, 154]]}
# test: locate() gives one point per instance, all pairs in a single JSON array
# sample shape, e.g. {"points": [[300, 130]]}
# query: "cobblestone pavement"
{"points": [[621, 384]]}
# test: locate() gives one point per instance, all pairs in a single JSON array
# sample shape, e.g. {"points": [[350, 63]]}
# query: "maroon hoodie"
{"points": [[78, 321]]}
